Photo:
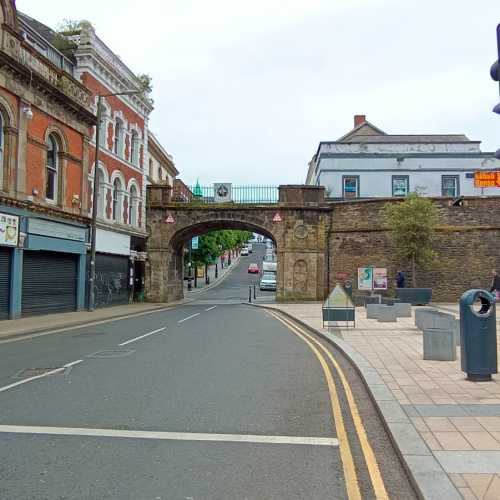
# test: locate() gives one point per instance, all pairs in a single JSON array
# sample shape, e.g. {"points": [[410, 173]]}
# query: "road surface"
{"points": [[210, 400]]}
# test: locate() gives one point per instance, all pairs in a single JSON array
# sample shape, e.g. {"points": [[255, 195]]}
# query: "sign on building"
{"points": [[486, 179], [9, 229], [222, 192], [195, 243]]}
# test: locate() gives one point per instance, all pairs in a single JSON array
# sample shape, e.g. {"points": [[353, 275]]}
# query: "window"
{"points": [[116, 206], [52, 169], [134, 148], [102, 132], [101, 194], [160, 174], [450, 186], [151, 169], [132, 207], [350, 186], [400, 185], [117, 146]]}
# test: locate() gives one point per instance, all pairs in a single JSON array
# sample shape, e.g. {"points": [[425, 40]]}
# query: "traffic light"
{"points": [[495, 74]]}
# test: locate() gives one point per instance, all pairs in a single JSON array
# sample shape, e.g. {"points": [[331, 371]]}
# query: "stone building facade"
{"points": [[45, 120]]}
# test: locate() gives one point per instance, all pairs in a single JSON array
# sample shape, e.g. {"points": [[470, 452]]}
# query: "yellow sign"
{"points": [[486, 179]]}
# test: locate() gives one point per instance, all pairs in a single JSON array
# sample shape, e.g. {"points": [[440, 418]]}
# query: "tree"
{"points": [[412, 223]]}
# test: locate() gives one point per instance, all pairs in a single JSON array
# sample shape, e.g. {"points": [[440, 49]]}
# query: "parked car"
{"points": [[269, 257], [244, 251], [269, 267], [268, 281], [253, 268], [250, 248]]}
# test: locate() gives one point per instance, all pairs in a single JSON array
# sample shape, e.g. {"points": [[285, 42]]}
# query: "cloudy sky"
{"points": [[244, 91]]}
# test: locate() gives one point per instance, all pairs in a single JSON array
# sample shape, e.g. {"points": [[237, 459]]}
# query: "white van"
{"points": [[269, 267]]}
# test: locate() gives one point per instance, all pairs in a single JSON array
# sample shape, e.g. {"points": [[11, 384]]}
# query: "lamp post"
{"points": [[93, 225]]}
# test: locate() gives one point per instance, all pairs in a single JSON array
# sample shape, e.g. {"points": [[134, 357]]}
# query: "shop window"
{"points": [[350, 186], [52, 169], [400, 185], [450, 186]]}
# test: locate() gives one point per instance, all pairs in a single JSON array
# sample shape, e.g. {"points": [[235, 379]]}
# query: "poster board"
{"points": [[9, 229], [380, 278], [365, 278]]}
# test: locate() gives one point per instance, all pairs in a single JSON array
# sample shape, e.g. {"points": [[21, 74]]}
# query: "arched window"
{"points": [[117, 147], [134, 148], [116, 206], [52, 169], [132, 206], [103, 130], [160, 174], [1, 151], [151, 169], [101, 194]]}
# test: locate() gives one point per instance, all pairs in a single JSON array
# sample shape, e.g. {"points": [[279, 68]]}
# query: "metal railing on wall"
{"points": [[234, 194]]}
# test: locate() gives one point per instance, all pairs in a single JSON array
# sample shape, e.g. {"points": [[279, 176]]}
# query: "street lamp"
{"points": [[93, 226]]}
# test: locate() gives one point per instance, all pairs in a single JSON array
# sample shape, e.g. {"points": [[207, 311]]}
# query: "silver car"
{"points": [[268, 282]]}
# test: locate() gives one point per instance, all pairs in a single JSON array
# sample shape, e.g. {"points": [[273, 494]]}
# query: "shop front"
{"points": [[9, 239]]}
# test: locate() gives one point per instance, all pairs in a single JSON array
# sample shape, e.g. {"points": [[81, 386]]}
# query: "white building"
{"points": [[368, 163]]}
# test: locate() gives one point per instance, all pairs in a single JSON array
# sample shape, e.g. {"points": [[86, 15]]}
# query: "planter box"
{"points": [[439, 344], [414, 296], [386, 314]]}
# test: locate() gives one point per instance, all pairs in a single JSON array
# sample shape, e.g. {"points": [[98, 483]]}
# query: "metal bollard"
{"points": [[249, 294], [254, 297]]}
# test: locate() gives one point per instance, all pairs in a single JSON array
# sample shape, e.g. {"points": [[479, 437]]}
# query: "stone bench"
{"points": [[439, 344], [432, 319], [386, 314], [372, 310], [403, 309]]}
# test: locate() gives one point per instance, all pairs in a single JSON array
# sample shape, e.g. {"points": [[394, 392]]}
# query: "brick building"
{"points": [[46, 116]]}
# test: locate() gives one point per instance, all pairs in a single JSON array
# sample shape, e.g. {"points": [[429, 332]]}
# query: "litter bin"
{"points": [[478, 335]]}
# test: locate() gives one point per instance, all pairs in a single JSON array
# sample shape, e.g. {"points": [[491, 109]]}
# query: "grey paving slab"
{"points": [[408, 439], [392, 412], [469, 462], [482, 410], [440, 410], [381, 393], [410, 410], [433, 482]]}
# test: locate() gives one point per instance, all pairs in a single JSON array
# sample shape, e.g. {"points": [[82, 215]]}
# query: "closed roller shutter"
{"points": [[49, 283], [111, 280], [4, 282]]}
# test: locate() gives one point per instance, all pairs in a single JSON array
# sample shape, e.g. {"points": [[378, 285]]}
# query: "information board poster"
{"points": [[365, 278], [9, 229], [379, 278]]}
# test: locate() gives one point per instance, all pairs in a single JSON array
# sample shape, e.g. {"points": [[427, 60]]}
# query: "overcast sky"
{"points": [[244, 91]]}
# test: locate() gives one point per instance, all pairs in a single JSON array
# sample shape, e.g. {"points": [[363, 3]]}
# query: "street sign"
{"points": [[486, 179], [169, 219], [277, 217], [222, 192], [194, 243]]}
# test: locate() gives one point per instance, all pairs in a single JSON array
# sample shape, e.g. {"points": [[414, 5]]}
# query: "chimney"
{"points": [[359, 119]]}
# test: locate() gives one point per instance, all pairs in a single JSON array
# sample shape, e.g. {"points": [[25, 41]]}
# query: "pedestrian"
{"points": [[400, 279], [495, 284]]}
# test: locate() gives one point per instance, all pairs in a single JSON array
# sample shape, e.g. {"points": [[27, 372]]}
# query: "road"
{"points": [[209, 400]]}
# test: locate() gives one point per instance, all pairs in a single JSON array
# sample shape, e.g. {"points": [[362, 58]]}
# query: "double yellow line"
{"points": [[351, 479]]}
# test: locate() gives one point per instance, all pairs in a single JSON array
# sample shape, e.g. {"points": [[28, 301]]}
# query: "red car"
{"points": [[253, 269]]}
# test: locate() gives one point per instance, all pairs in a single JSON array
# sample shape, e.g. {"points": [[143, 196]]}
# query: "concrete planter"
{"points": [[386, 314], [414, 296], [403, 310], [372, 310], [439, 344]]}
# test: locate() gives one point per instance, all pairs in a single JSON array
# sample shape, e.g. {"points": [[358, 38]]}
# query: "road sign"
{"points": [[277, 217], [486, 179], [169, 219], [194, 243]]}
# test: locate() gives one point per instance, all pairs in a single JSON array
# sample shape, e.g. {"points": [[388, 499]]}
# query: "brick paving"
{"points": [[458, 420]]}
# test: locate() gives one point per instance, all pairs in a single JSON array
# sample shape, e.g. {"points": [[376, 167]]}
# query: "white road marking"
{"points": [[189, 317], [143, 336], [36, 377], [169, 436], [210, 308]]}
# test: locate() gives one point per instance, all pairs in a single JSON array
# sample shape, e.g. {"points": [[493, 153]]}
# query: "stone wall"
{"points": [[467, 242]]}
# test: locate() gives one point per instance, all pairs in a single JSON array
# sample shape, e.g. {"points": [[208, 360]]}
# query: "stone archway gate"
{"points": [[298, 223]]}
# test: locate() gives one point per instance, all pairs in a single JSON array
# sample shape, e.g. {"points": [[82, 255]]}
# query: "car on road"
{"points": [[268, 281], [269, 257], [253, 268], [250, 247], [269, 267], [244, 251]]}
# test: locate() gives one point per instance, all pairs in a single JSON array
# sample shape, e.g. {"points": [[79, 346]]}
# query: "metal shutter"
{"points": [[111, 280], [49, 282], [4, 282]]}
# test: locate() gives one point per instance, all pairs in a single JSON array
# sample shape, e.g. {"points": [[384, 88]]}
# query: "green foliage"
{"points": [[412, 223], [65, 29], [213, 244], [145, 83]]}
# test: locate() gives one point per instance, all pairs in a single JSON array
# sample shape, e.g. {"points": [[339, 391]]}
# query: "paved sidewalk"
{"points": [[446, 428], [202, 286], [50, 322]]}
